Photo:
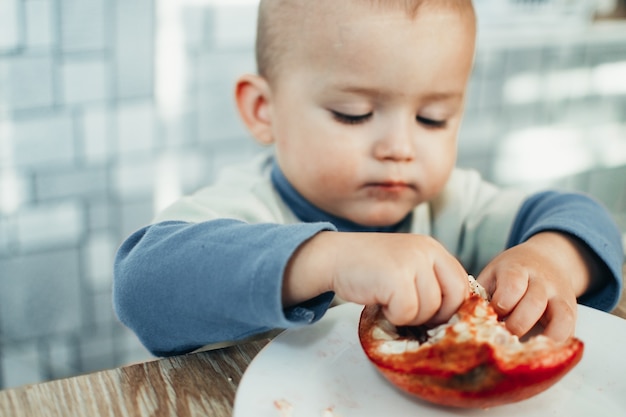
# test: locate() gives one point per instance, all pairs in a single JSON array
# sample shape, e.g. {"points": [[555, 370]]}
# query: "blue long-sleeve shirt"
{"points": [[182, 284]]}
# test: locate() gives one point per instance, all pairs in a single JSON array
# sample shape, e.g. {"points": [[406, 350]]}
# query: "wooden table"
{"points": [[198, 384]]}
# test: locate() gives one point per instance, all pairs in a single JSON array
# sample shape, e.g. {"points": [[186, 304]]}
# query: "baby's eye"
{"points": [[432, 123], [351, 119]]}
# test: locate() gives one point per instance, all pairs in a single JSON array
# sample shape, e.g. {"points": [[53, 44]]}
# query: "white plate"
{"points": [[322, 367]]}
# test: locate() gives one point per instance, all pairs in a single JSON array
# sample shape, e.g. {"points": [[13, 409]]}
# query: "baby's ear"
{"points": [[252, 94]]}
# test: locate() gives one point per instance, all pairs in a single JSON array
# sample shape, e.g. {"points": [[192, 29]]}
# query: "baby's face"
{"points": [[365, 118]]}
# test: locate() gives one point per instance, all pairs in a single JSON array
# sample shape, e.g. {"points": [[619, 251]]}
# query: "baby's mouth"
{"points": [[387, 189], [391, 185]]}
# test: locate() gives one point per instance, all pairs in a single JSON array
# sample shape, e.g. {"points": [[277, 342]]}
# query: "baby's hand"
{"points": [[413, 277], [538, 281]]}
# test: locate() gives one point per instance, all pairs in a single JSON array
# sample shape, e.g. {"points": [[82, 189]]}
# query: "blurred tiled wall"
{"points": [[110, 109], [547, 107], [76, 115], [85, 141]]}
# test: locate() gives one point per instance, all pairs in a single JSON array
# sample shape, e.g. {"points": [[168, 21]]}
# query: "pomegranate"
{"points": [[472, 361]]}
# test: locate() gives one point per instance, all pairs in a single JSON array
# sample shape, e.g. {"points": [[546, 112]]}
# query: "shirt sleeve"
{"points": [[587, 220], [180, 286]]}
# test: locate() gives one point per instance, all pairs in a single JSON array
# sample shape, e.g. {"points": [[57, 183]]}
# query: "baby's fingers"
{"points": [[414, 302], [507, 288], [452, 279], [528, 311], [560, 319]]}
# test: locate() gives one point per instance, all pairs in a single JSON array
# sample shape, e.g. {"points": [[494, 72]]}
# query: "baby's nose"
{"points": [[396, 144]]}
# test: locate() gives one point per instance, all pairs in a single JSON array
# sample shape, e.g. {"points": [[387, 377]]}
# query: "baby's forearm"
{"points": [[181, 285]]}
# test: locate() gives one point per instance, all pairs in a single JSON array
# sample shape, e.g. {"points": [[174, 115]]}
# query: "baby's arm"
{"points": [[181, 285], [565, 248], [412, 276]]}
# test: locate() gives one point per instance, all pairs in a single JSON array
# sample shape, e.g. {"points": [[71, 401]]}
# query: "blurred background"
{"points": [[111, 109]]}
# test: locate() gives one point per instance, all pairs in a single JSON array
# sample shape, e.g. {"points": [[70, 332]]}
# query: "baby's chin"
{"points": [[379, 218]]}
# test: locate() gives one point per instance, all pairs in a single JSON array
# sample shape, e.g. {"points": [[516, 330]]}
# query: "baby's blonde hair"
{"points": [[277, 18]]}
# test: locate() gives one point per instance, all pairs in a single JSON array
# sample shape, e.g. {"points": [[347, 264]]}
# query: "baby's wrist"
{"points": [[308, 273], [573, 257]]}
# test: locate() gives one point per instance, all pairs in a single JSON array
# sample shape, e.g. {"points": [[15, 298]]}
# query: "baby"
{"points": [[359, 197]]}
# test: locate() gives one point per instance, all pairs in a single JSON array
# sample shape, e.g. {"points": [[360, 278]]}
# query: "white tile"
{"points": [[100, 215], [609, 186], [62, 360], [134, 179], [609, 144], [134, 48], [194, 20], [224, 67], [235, 25], [71, 183], [218, 118], [39, 23], [40, 294], [100, 251], [15, 190], [9, 25], [5, 235], [50, 225], [178, 173], [215, 102], [83, 25], [135, 214], [84, 80], [97, 349], [6, 144], [102, 313], [135, 127], [194, 169], [43, 141], [591, 112], [133, 350], [26, 82], [176, 132], [20, 366], [233, 152], [97, 128]]}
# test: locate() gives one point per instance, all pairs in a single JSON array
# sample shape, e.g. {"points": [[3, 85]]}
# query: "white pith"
{"points": [[481, 326]]}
